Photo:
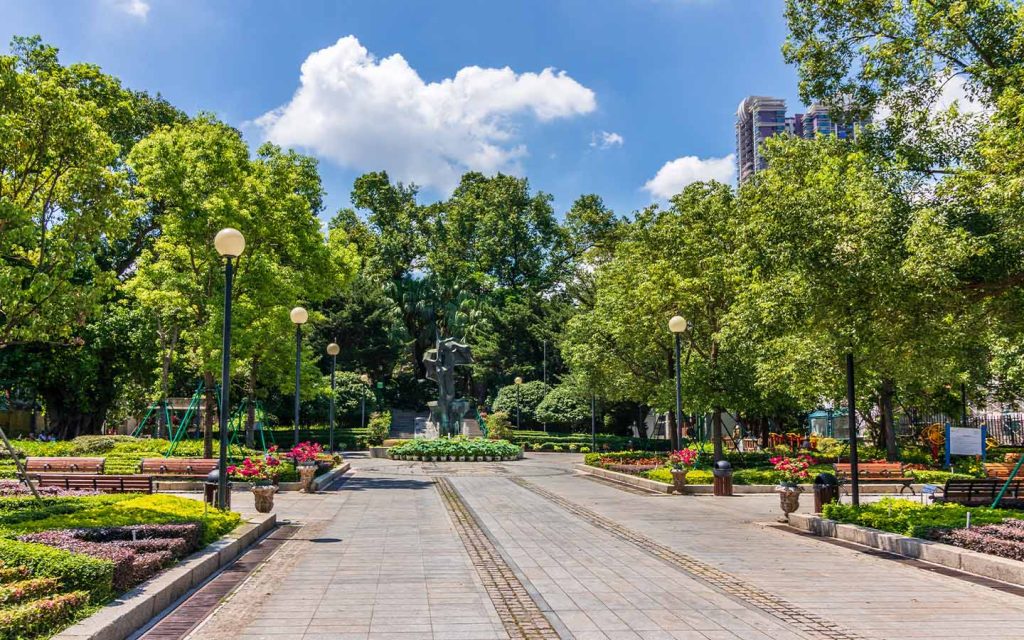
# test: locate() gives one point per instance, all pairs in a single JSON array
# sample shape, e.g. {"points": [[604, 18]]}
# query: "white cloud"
{"points": [[368, 114], [678, 173], [136, 8], [606, 140]]}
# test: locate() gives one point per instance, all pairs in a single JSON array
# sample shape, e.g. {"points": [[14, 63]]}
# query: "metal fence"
{"points": [[1005, 428]]}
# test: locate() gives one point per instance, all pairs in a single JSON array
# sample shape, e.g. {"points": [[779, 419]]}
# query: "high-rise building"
{"points": [[760, 117], [757, 119], [818, 121]]}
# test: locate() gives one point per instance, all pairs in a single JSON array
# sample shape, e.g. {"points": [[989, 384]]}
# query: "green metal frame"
{"points": [[182, 430]]}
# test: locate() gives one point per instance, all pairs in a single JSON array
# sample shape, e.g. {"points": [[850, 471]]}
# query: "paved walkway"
{"points": [[529, 549]]}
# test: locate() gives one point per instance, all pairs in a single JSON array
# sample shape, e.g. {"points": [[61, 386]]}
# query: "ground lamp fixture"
{"points": [[677, 325], [299, 317], [332, 350], [230, 243], [519, 386]]}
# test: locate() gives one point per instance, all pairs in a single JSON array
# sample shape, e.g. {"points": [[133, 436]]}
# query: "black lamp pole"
{"points": [[593, 421], [332, 350], [679, 388], [298, 377], [851, 420], [225, 389]]}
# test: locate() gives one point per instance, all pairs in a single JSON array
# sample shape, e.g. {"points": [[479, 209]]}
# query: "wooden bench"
{"points": [[876, 472], [981, 492], [104, 483], [64, 465], [197, 468], [999, 469]]}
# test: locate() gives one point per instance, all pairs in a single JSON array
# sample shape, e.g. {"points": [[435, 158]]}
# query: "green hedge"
{"points": [[911, 518], [456, 447], [75, 571]]}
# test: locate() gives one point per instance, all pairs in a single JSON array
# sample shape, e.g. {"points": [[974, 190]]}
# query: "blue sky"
{"points": [[427, 90]]}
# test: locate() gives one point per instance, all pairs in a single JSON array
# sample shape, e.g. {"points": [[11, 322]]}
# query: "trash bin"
{"points": [[210, 490], [723, 478], [826, 490]]}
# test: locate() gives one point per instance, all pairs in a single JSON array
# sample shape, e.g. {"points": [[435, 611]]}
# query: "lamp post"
{"points": [[230, 243], [519, 384], [851, 421], [677, 325], [362, 401], [593, 422], [332, 350], [299, 316]]}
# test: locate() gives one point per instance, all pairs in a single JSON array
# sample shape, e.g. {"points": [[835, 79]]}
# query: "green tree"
{"points": [[521, 401]]}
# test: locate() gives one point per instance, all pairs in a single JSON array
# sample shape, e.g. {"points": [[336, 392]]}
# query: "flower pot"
{"points": [[789, 499], [462, 458], [307, 472], [264, 496], [488, 458], [679, 480]]}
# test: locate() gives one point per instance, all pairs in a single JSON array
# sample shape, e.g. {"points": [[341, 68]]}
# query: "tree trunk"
{"points": [[716, 433], [766, 427], [885, 396], [250, 418], [167, 346], [673, 432], [211, 404]]}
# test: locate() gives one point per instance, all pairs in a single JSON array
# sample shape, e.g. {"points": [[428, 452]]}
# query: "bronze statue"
{"points": [[440, 364]]}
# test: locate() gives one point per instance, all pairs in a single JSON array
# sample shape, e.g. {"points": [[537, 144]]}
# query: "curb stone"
{"points": [[124, 615], [946, 555]]}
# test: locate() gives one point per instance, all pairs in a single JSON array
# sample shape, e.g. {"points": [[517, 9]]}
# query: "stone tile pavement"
{"points": [[380, 557]]}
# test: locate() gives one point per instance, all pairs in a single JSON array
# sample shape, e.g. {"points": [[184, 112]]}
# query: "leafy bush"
{"points": [[565, 405], [527, 396], [935, 477], [498, 426], [378, 428], [91, 445], [829, 448], [458, 447], [913, 518], [75, 571], [584, 449]]}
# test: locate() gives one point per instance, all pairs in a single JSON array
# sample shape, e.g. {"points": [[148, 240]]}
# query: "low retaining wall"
{"points": [[706, 489], [190, 486], [133, 609], [982, 564]]}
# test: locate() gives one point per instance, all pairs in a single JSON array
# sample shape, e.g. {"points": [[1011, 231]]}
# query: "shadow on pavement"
{"points": [[355, 483]]}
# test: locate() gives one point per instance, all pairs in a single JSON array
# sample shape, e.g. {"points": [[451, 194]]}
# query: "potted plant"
{"points": [[261, 474], [304, 455], [791, 471], [679, 464]]}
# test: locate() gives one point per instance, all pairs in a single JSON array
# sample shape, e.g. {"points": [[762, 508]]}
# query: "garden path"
{"points": [[527, 549]]}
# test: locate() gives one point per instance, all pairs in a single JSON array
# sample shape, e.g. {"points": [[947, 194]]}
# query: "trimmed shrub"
{"points": [[29, 589], [565, 405], [527, 396], [74, 571], [41, 617], [379, 428], [457, 447], [499, 427], [913, 518]]}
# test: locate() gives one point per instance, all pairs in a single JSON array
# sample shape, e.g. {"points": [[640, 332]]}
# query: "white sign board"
{"points": [[965, 442]]}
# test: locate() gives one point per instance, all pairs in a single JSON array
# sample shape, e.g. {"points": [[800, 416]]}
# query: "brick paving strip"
{"points": [[811, 625], [194, 609], [522, 618]]}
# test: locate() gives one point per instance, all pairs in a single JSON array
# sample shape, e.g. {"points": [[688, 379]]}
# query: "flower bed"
{"points": [[457, 449], [65, 554]]}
